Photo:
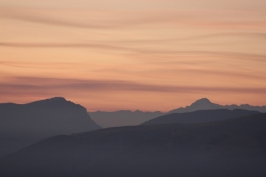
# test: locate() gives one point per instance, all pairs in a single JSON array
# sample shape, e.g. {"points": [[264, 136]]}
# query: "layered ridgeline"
{"points": [[231, 147], [206, 104], [200, 116], [122, 118], [23, 124], [128, 118]]}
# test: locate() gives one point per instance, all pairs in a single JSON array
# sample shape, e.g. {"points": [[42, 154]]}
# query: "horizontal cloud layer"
{"points": [[104, 19], [35, 84], [114, 54]]}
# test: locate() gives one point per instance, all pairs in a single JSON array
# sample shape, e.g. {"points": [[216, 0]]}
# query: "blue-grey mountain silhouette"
{"points": [[200, 116], [122, 118], [24, 124], [128, 118], [230, 147], [206, 104]]}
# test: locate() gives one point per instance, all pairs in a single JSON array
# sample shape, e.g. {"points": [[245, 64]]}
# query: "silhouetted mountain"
{"points": [[129, 118], [200, 116], [231, 147], [205, 104], [24, 124], [122, 118]]}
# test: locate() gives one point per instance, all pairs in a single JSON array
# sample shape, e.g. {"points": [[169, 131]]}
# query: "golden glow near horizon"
{"points": [[147, 55]]}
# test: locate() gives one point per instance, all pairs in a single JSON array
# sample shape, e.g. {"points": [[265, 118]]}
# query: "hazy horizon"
{"points": [[141, 110], [133, 55]]}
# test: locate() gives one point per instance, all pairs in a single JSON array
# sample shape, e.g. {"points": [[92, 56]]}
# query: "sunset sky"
{"points": [[143, 54]]}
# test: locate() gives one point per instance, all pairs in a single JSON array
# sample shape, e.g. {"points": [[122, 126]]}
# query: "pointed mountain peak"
{"points": [[202, 104], [206, 104], [202, 101]]}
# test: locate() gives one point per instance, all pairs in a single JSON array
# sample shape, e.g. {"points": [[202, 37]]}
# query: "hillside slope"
{"points": [[200, 116], [231, 147], [122, 118], [24, 124]]}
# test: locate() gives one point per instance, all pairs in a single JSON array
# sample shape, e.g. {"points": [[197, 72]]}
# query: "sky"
{"points": [[133, 55]]}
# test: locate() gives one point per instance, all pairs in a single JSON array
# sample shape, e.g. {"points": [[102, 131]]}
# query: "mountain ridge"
{"points": [[200, 116], [122, 117], [27, 123], [230, 147], [127, 117], [206, 104]]}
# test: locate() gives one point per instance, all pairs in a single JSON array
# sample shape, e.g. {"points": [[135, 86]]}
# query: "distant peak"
{"points": [[203, 100]]}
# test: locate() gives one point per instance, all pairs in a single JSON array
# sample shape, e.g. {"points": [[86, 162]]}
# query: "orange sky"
{"points": [[123, 54]]}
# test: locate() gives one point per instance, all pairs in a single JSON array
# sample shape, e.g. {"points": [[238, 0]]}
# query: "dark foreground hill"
{"points": [[24, 124], [200, 116], [231, 147]]}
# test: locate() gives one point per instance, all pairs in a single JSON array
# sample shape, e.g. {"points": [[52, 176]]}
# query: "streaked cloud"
{"points": [[64, 45], [121, 47], [122, 54], [35, 84], [120, 19]]}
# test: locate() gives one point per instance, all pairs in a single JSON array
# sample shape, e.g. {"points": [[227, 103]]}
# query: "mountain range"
{"points": [[25, 124], [122, 118], [200, 116], [230, 147], [206, 104], [128, 118]]}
